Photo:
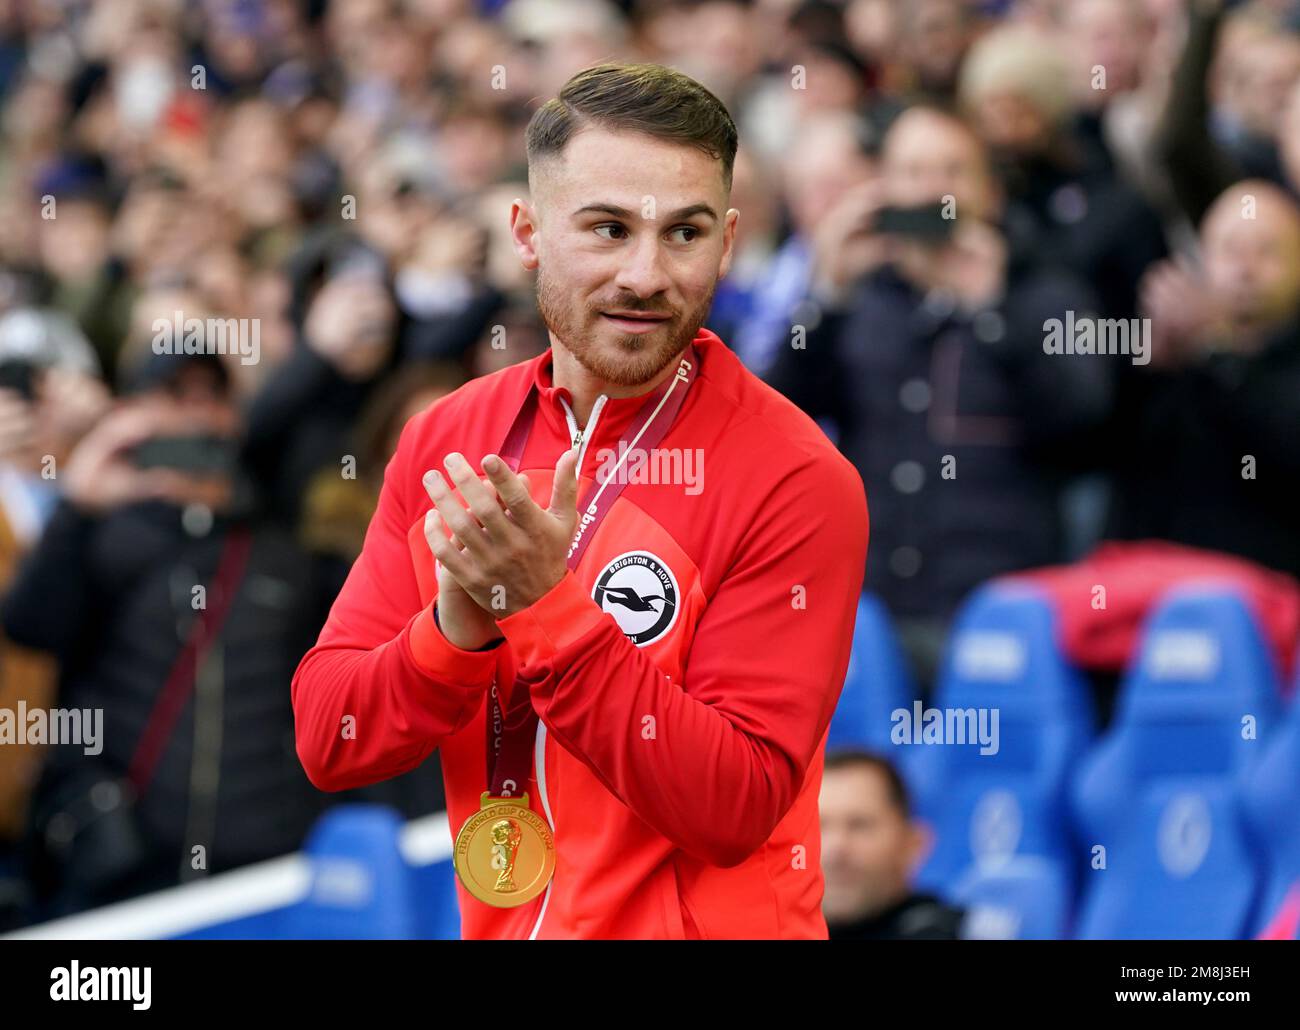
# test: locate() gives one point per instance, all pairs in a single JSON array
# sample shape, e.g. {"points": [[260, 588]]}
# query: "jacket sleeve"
{"points": [[1199, 168], [713, 763], [48, 602], [383, 687]]}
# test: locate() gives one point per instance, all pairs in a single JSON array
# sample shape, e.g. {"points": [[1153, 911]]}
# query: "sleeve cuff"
{"points": [[555, 620], [438, 658]]}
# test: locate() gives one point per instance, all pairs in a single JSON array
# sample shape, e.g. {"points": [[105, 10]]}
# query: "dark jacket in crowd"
{"points": [[906, 382], [112, 598], [918, 917], [1088, 220], [300, 422], [1183, 444]]}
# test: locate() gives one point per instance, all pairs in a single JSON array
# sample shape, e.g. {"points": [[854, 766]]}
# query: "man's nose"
{"points": [[643, 272]]}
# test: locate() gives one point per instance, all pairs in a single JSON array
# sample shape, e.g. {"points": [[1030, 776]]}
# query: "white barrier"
{"points": [[224, 896]]}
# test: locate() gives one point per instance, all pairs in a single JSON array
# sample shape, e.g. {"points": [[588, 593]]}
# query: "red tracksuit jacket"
{"points": [[680, 774]]}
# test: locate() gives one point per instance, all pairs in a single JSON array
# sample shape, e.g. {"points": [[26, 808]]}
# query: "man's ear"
{"points": [[728, 240], [524, 230], [920, 842]]}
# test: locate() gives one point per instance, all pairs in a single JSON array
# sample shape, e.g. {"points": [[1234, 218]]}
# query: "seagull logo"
{"points": [[630, 599], [640, 591]]}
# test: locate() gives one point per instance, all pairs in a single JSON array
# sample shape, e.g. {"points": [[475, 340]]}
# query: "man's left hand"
{"points": [[511, 551]]}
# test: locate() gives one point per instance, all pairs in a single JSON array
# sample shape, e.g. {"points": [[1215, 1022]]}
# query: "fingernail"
{"points": [[490, 462]]}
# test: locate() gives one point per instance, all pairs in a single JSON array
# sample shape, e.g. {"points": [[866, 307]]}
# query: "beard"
{"points": [[627, 359]]}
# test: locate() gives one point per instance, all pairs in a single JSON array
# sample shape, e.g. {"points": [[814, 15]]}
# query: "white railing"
{"points": [[223, 897]]}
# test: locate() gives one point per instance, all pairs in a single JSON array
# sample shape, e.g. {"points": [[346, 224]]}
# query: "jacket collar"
{"points": [[618, 412]]}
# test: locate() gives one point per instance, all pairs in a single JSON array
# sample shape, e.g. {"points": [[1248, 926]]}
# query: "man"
{"points": [[826, 160], [685, 661], [1205, 438], [871, 846], [925, 350]]}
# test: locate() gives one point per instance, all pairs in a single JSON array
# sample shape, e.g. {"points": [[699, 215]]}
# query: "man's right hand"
{"points": [[100, 474], [845, 245], [1180, 304]]}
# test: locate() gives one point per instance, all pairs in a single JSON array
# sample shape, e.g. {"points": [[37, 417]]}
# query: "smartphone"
{"points": [[19, 376], [201, 455], [925, 223], [357, 262]]}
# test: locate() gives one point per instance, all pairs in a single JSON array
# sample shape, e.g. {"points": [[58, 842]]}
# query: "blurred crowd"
{"points": [[327, 183]]}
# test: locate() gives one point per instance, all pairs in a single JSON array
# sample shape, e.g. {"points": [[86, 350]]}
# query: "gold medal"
{"points": [[505, 853]]}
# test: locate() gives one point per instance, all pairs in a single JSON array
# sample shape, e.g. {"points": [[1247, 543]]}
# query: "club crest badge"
{"points": [[640, 591]]}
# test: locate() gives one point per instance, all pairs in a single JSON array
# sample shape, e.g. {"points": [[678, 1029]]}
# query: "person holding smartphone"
{"points": [[922, 348]]}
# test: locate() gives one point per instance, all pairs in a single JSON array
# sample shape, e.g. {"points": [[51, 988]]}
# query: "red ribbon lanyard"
{"points": [[510, 736]]}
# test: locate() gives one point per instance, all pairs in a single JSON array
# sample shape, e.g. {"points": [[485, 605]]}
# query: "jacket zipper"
{"points": [[581, 437], [578, 438]]}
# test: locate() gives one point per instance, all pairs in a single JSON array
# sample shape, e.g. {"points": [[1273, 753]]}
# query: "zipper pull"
{"points": [[577, 439]]}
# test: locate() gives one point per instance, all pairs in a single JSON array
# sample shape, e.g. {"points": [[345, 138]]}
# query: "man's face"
{"points": [[928, 157], [869, 847], [629, 235], [1253, 264], [1112, 34], [825, 164], [934, 38]]}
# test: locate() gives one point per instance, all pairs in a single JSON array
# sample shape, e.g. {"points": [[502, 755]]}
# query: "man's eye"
{"points": [[612, 227], [691, 231]]}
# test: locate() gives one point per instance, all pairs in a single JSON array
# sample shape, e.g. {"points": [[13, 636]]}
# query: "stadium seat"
{"points": [[877, 683], [361, 886], [1023, 898], [1159, 798], [437, 913], [1002, 657], [1271, 798]]}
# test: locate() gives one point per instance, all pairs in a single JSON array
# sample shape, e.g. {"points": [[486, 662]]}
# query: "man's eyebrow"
{"points": [[694, 209], [673, 216]]}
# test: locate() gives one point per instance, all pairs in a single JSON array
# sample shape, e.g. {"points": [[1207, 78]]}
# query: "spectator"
{"points": [[1205, 435], [871, 848], [1016, 87], [934, 36], [927, 354], [830, 157], [197, 771], [1209, 138]]}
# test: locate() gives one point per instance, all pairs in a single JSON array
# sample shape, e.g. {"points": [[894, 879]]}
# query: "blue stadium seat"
{"points": [[1181, 870], [877, 683], [1003, 658], [1025, 898], [437, 912], [361, 886], [1161, 792], [1271, 797]]}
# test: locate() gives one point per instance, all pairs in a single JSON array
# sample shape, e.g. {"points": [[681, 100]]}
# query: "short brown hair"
{"points": [[849, 758], [646, 98]]}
